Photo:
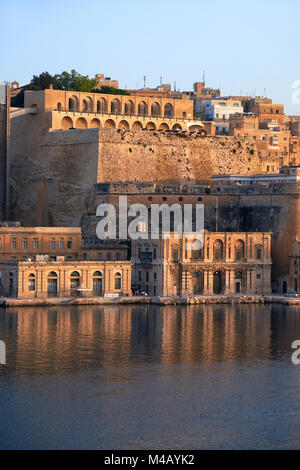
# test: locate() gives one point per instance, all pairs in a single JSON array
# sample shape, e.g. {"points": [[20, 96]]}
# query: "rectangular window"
{"points": [[140, 275], [100, 257], [24, 243], [52, 243], [147, 276], [14, 243], [70, 244], [61, 243], [35, 243]]}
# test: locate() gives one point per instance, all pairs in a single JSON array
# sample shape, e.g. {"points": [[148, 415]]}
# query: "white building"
{"points": [[219, 110]]}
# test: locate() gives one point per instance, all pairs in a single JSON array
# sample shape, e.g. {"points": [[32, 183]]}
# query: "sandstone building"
{"points": [[37, 280], [227, 263], [23, 243]]}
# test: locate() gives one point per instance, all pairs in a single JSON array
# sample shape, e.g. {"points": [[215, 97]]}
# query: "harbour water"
{"points": [[150, 377]]}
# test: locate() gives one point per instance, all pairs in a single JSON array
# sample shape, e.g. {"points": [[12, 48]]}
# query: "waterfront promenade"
{"points": [[187, 300]]}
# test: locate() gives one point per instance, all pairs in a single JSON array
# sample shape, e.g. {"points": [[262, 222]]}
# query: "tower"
{"points": [[4, 149]]}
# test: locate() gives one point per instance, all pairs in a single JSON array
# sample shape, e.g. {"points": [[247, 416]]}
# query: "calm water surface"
{"points": [[148, 377]]}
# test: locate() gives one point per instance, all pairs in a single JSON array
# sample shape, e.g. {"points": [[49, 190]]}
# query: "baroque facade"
{"points": [[228, 263]]}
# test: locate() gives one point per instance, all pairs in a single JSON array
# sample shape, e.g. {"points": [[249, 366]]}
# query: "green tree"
{"points": [[110, 90], [41, 82], [74, 82]]}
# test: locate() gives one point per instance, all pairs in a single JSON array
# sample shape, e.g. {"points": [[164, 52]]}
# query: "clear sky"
{"points": [[243, 46]]}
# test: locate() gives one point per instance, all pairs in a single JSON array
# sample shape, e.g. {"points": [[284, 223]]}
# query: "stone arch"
{"points": [[75, 280], [137, 125], [66, 123], [81, 123], [142, 108], [87, 104], [129, 107], [155, 109], [151, 126], [101, 106], [169, 110], [73, 103], [115, 106], [196, 128], [239, 248], [123, 124], [110, 124], [164, 127], [177, 127], [218, 249], [95, 123]]}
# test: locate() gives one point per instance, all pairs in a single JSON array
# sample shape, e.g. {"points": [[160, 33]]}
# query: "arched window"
{"points": [[75, 279], [238, 275], [84, 106], [155, 109], [31, 282], [52, 284], [239, 250], [129, 107], [115, 106], [169, 110], [218, 250], [118, 279], [59, 106], [101, 106], [73, 103], [98, 283], [142, 109]]}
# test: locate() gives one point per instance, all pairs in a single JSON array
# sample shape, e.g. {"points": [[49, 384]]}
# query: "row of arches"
{"points": [[75, 283], [115, 106], [82, 123], [218, 282]]}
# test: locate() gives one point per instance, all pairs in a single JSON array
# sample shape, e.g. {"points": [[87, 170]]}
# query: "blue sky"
{"points": [[243, 46]]}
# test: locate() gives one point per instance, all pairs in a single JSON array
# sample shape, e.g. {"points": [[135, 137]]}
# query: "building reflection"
{"points": [[64, 340]]}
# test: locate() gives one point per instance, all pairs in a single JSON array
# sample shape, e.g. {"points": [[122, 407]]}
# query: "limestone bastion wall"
{"points": [[52, 173], [172, 158]]}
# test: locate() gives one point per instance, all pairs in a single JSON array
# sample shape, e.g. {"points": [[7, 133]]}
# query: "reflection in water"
{"points": [[62, 340], [149, 377]]}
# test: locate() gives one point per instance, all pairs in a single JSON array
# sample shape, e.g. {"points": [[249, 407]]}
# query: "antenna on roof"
{"points": [[144, 81]]}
